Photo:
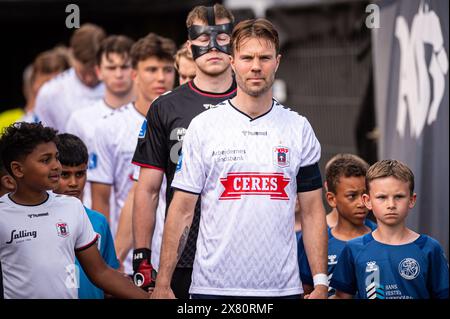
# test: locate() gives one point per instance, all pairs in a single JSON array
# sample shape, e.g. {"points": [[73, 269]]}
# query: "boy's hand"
{"points": [[319, 292], [144, 275], [162, 293]]}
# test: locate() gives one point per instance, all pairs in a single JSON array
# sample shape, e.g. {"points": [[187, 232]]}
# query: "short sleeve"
{"points": [[190, 174], [101, 170], [151, 150], [86, 237], [344, 276], [311, 146]]}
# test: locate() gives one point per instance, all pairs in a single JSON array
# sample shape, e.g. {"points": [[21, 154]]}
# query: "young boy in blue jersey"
{"points": [[41, 232], [345, 184], [392, 262], [73, 156]]}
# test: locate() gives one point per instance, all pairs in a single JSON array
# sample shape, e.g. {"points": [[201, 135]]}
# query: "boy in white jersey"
{"points": [[40, 232], [75, 88], [114, 69], [249, 158], [116, 135]]}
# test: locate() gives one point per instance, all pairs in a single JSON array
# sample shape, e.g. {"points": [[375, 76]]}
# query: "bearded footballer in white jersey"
{"points": [[249, 159], [114, 69], [116, 134], [75, 88]]}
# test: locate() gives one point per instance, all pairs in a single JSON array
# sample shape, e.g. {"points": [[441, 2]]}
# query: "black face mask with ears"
{"points": [[212, 30]]}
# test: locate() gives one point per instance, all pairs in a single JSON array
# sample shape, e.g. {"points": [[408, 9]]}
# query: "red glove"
{"points": [[144, 275]]}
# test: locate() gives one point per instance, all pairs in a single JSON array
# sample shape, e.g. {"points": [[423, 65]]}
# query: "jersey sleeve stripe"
{"points": [[148, 166], [88, 245]]}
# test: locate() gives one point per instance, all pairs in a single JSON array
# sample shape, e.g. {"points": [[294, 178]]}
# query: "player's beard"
{"points": [[255, 92]]}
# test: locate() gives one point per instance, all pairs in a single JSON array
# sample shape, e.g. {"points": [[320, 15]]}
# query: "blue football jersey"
{"points": [[373, 270], [335, 247], [105, 244]]}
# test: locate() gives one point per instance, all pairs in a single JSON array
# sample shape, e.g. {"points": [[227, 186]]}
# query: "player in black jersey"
{"points": [[168, 118]]}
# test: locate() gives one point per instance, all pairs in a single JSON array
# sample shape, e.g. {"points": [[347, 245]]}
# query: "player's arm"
{"points": [[109, 280], [143, 221], [145, 203], [315, 236], [176, 232], [100, 198], [124, 235]]}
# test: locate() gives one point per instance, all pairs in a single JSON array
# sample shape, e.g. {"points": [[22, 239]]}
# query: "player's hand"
{"points": [[144, 276], [162, 293], [319, 292]]}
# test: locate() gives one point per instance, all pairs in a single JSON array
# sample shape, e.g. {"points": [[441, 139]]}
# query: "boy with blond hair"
{"points": [[393, 262]]}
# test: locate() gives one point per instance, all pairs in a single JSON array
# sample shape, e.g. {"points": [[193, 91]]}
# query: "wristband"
{"points": [[320, 279]]}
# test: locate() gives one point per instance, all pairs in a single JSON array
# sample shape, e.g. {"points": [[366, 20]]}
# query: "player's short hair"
{"points": [[152, 45], [254, 28], [390, 168], [21, 138], [119, 44], [51, 61], [343, 165], [200, 13], [182, 52], [72, 151], [85, 42]]}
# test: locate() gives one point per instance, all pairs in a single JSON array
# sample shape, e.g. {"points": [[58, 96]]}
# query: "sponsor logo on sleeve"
{"points": [[143, 129], [179, 163], [92, 161]]}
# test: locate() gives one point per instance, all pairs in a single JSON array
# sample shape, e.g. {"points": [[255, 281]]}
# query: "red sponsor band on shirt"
{"points": [[250, 183]]}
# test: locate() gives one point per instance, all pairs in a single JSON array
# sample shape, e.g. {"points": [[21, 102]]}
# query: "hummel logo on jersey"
{"points": [[238, 184], [209, 106], [21, 234], [250, 133], [371, 266], [37, 215], [332, 260]]}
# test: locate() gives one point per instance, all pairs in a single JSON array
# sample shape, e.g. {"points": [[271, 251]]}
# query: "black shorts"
{"points": [[181, 282]]}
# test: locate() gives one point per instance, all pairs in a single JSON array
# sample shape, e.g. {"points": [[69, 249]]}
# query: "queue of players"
{"points": [[116, 184]]}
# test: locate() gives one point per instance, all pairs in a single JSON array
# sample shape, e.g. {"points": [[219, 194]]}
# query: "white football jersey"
{"points": [[246, 171], [59, 97], [37, 247], [115, 141], [82, 124]]}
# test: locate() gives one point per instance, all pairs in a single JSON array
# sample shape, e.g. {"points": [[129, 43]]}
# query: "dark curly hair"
{"points": [[347, 165], [20, 139], [72, 151]]}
